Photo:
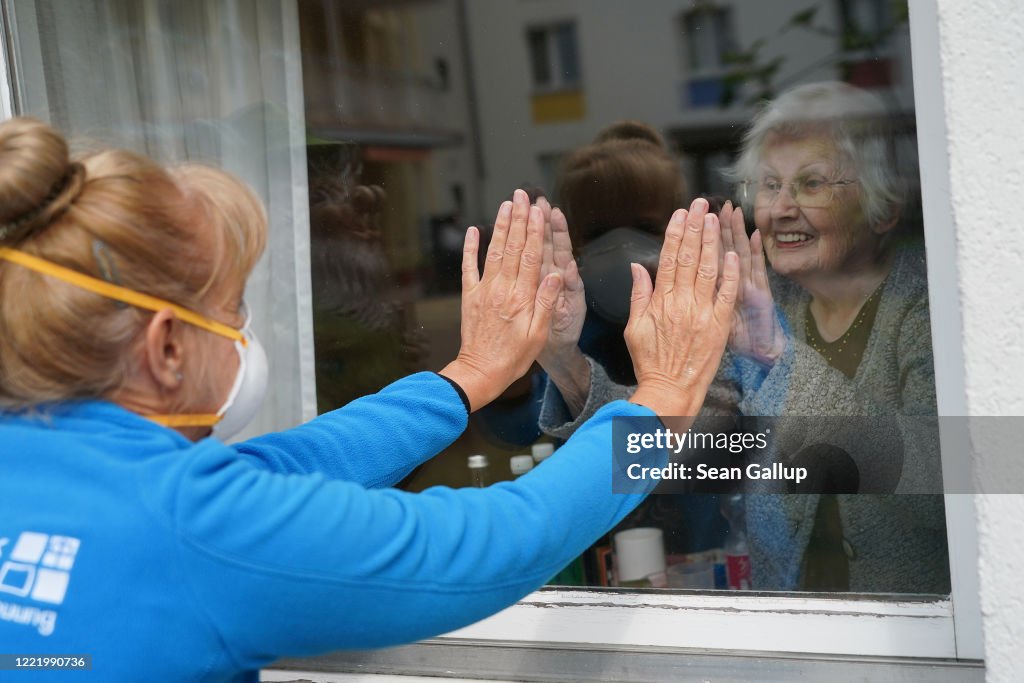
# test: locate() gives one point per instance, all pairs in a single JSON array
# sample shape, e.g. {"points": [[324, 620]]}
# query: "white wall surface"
{"points": [[982, 52]]}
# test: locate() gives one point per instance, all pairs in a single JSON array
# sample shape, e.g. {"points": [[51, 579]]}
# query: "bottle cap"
{"points": [[542, 451], [521, 464], [477, 461]]}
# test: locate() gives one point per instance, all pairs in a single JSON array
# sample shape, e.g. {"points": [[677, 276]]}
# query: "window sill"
{"points": [[876, 626], [451, 660]]}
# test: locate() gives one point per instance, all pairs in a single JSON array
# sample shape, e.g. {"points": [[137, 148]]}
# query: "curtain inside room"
{"points": [[216, 82]]}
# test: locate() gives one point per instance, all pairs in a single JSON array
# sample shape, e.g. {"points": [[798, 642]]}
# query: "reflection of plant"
{"points": [[750, 66]]}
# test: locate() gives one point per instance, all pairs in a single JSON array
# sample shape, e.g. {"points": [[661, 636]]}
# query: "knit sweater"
{"points": [[883, 417], [168, 560]]}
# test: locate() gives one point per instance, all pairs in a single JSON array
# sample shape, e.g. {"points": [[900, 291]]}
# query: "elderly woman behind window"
{"points": [[837, 329]]}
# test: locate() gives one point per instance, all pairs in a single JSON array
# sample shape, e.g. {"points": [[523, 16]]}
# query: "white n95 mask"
{"points": [[249, 389], [250, 385]]}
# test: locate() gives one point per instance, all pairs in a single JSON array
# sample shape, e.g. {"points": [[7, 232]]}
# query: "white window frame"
{"points": [[8, 107], [819, 625]]}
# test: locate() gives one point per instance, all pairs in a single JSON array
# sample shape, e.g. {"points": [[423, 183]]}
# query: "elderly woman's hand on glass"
{"points": [[678, 327], [756, 331], [561, 356], [506, 313], [571, 307]]}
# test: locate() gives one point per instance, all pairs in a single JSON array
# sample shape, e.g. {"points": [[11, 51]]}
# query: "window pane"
{"points": [[843, 378], [568, 60], [697, 40], [708, 33], [540, 59], [723, 34]]}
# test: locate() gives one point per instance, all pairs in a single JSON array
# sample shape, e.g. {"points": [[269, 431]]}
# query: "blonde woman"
{"points": [[131, 535]]}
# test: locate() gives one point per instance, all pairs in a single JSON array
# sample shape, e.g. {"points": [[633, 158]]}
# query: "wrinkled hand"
{"points": [[678, 327], [506, 313], [756, 330], [571, 306]]}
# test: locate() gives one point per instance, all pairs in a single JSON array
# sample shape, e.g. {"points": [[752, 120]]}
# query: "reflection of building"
{"points": [[451, 104], [671, 63], [386, 95]]}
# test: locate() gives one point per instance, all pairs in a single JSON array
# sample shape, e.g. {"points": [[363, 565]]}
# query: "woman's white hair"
{"points": [[858, 124]]}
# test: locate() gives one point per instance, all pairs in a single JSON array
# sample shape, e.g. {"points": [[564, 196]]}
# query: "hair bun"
{"points": [[38, 181], [630, 130]]}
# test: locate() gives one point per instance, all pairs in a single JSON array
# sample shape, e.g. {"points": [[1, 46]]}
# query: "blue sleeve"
{"points": [[296, 565], [375, 440]]}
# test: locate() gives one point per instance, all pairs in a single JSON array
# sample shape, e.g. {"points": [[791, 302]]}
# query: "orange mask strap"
{"points": [[186, 420], [118, 293], [140, 300]]}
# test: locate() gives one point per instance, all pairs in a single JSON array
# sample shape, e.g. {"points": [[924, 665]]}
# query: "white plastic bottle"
{"points": [[520, 464], [542, 451], [478, 471]]}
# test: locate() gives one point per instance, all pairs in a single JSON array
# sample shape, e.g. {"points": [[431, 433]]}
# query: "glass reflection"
{"points": [[797, 124]]}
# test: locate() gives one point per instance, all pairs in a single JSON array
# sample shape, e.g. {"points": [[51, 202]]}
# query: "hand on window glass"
{"points": [[571, 307], [678, 327], [506, 313], [756, 330], [561, 356]]}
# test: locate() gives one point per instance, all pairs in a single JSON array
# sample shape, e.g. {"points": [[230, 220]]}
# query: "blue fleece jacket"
{"points": [[168, 560]]}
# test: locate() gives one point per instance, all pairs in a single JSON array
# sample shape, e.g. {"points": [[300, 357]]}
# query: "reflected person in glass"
{"points": [[615, 195], [838, 327], [364, 334]]}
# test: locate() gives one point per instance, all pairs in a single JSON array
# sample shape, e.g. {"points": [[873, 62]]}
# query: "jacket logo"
{"points": [[38, 566]]}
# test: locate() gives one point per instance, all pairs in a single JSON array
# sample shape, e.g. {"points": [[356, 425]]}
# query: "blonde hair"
{"points": [[116, 216]]}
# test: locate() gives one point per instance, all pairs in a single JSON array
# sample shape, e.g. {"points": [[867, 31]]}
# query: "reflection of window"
{"points": [[709, 37], [555, 71], [863, 21], [708, 40], [864, 31], [554, 56]]}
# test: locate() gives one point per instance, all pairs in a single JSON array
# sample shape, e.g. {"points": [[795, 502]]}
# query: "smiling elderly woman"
{"points": [[852, 339], [837, 330]]}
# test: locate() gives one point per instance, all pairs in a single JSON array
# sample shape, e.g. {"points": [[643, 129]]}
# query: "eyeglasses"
{"points": [[808, 192]]}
